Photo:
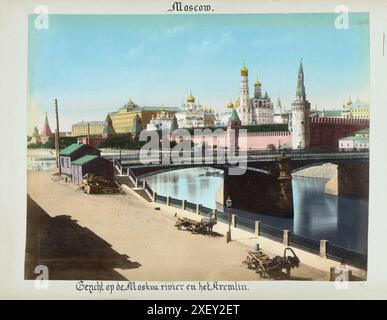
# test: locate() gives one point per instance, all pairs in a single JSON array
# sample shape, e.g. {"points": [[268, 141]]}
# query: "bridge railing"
{"points": [[304, 243], [251, 153], [357, 259], [177, 203], [245, 224], [205, 211], [117, 164]]}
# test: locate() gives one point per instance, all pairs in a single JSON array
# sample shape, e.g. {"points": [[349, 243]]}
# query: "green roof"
{"points": [[70, 149], [364, 131], [356, 139], [84, 159], [332, 113], [234, 117]]}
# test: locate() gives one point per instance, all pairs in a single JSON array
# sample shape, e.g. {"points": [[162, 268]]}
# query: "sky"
{"points": [[93, 64]]}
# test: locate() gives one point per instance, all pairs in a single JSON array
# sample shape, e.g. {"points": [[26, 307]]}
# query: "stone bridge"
{"points": [[266, 186]]}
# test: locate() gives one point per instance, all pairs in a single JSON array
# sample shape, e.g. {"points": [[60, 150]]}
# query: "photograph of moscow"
{"points": [[184, 147]]}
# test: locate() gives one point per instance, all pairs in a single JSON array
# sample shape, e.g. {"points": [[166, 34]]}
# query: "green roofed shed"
{"points": [[74, 152]]}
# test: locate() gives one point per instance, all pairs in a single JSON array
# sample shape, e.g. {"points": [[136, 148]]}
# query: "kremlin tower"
{"points": [[300, 115], [108, 129], [46, 127], [46, 131]]}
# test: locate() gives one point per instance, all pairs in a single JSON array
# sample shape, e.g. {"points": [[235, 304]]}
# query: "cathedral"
{"points": [[194, 115], [256, 110]]}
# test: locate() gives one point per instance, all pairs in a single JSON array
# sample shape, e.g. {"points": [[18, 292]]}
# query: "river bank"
{"points": [[116, 237]]}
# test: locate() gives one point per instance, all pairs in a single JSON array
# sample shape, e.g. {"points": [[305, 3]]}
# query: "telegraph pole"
{"points": [[57, 137], [88, 133]]}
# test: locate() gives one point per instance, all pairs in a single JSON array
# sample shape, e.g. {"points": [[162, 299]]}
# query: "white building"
{"points": [[162, 121], [358, 142]]}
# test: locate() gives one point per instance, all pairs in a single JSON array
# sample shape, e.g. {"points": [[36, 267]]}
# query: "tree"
{"points": [[64, 142], [121, 141]]}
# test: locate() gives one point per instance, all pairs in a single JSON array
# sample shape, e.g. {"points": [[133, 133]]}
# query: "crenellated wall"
{"points": [[326, 132]]}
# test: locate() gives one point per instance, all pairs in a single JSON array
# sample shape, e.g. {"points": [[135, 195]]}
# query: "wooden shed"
{"points": [[91, 164], [74, 152]]}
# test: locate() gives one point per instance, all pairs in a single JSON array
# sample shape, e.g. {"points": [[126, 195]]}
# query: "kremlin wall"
{"points": [[326, 132]]}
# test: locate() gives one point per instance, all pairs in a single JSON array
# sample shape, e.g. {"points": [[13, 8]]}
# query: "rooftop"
{"points": [[70, 149], [363, 131], [150, 108], [89, 122], [84, 159], [356, 139]]}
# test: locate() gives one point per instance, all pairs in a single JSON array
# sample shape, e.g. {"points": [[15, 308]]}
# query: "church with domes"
{"points": [[256, 110], [194, 115]]}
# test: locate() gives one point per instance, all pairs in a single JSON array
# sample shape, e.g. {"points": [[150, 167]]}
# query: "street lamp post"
{"points": [[228, 205]]}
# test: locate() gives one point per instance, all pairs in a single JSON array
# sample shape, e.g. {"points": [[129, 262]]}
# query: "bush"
{"points": [[36, 145]]}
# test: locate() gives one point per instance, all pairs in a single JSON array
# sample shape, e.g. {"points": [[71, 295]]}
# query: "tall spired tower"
{"points": [[46, 131], [244, 108], [300, 115]]}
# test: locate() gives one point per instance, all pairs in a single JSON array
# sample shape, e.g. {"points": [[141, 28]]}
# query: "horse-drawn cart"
{"points": [[203, 226], [266, 266]]}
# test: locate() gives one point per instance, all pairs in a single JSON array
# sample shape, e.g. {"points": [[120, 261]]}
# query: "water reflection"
{"points": [[317, 215], [37, 164]]}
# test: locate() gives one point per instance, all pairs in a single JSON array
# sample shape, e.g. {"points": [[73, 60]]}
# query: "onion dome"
{"points": [[238, 102], [130, 102], [230, 105], [190, 98], [257, 83], [244, 71]]}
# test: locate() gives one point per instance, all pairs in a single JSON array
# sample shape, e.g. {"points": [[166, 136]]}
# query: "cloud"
{"points": [[135, 51], [210, 45], [173, 30]]}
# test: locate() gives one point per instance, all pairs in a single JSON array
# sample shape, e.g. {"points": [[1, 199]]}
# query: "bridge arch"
{"points": [[311, 165]]}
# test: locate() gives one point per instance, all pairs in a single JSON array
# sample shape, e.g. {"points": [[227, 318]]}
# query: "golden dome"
{"points": [[190, 98], [257, 83], [230, 105], [130, 101], [244, 71], [238, 102]]}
